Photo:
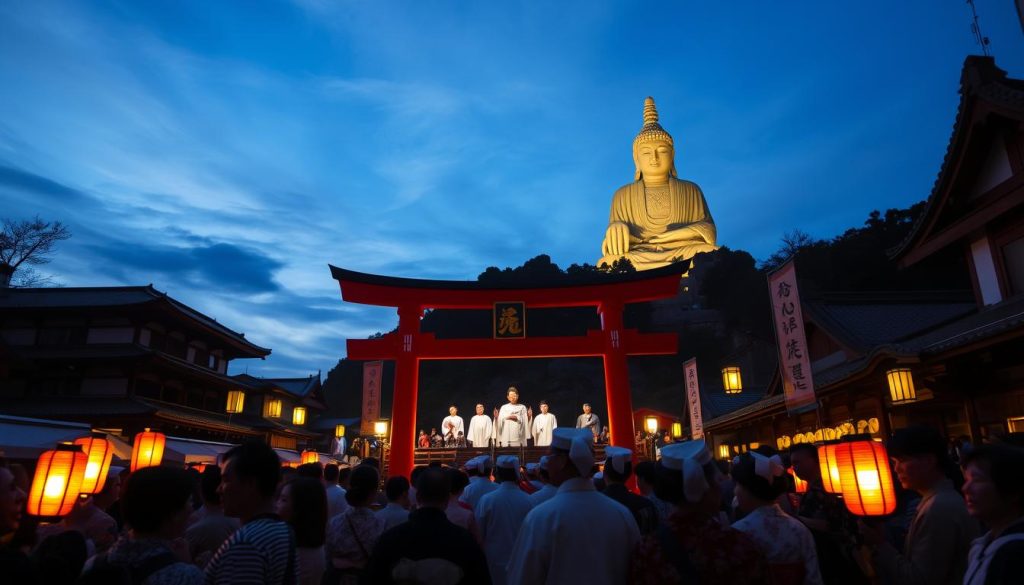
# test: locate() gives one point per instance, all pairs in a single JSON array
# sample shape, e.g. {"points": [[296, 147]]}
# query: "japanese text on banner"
{"points": [[693, 398], [371, 396], [794, 359]]}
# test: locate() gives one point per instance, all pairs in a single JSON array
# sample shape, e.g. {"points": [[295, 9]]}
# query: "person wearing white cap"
{"points": [[691, 546], [547, 490], [787, 544], [452, 425], [499, 515], [579, 535], [543, 424], [512, 421], [618, 466], [480, 429], [479, 471]]}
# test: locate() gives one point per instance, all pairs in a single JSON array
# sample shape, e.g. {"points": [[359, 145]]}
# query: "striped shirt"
{"points": [[260, 552]]}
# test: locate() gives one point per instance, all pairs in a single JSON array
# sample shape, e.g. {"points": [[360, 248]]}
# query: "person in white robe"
{"points": [[452, 423], [499, 515], [480, 429], [543, 425], [579, 535], [547, 489], [479, 471], [512, 421]]}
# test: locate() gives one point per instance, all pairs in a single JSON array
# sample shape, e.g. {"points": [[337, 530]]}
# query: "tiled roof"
{"points": [[117, 296], [78, 406], [718, 403], [298, 387]]}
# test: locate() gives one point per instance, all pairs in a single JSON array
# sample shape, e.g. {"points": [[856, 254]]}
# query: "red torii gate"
{"points": [[407, 346]]}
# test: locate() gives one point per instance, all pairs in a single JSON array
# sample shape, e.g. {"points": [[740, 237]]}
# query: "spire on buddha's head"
{"points": [[651, 130]]}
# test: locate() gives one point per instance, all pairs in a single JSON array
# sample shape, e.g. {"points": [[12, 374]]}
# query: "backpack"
{"points": [[104, 572]]}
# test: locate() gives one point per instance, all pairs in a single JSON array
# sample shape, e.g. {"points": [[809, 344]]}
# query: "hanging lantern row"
{"points": [[864, 426], [57, 481]]}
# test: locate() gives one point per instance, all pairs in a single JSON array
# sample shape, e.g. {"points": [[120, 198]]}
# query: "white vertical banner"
{"points": [[788, 317], [693, 399], [372, 372]]}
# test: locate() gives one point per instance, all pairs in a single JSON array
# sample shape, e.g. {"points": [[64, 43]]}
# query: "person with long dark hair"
{"points": [[302, 503], [994, 493]]}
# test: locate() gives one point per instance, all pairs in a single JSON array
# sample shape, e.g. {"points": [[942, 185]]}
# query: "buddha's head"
{"points": [[653, 150]]}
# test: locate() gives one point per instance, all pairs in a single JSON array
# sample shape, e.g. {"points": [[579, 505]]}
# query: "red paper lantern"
{"points": [[148, 450], [866, 477], [830, 477], [57, 482], [310, 456], [99, 451]]}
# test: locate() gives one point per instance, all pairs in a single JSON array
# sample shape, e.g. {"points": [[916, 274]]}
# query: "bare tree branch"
{"points": [[28, 242]]}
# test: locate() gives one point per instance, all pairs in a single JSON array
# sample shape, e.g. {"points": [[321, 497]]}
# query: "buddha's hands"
{"points": [[616, 240]]}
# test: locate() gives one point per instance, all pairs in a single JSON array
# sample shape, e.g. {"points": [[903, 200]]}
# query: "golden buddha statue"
{"points": [[658, 219]]}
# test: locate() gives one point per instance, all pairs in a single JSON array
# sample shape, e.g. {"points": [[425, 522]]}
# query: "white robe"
{"points": [[543, 425], [478, 486], [512, 433], [545, 493], [499, 514], [480, 431], [457, 426], [578, 536]]}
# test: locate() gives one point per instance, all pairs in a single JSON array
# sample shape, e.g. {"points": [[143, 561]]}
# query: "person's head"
{"points": [[458, 480], [759, 480], [433, 489], [344, 473], [618, 464], [209, 481], [542, 470], [422, 432], [12, 501], [157, 502], [479, 408], [686, 476], [362, 486], [396, 488], [302, 503], [513, 395], [645, 477], [111, 489], [371, 462], [314, 470], [543, 407], [804, 459], [653, 148], [415, 474], [586, 408], [453, 410], [994, 490], [921, 457], [507, 468], [571, 454], [250, 474], [331, 474]]}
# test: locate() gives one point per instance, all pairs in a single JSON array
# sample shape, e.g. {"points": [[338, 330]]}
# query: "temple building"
{"points": [[950, 359], [127, 358]]}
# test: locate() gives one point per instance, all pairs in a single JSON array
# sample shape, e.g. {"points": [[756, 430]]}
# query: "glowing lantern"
{"points": [[830, 477], [866, 478], [310, 456], [272, 408], [299, 416], [651, 424], [199, 467], [380, 428], [901, 385], [339, 431], [57, 482], [731, 380], [99, 451], [236, 400], [148, 450], [677, 429], [801, 485], [723, 451]]}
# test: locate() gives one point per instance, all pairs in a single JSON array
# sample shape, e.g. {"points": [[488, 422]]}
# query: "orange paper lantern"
{"points": [[99, 451], [801, 485], [830, 477], [148, 450], [310, 456], [866, 478], [57, 482]]}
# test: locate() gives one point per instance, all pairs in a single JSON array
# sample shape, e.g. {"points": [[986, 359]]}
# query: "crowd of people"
{"points": [[513, 425], [566, 518]]}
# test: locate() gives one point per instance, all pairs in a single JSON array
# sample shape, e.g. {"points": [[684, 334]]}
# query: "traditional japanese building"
{"points": [[950, 359], [126, 358]]}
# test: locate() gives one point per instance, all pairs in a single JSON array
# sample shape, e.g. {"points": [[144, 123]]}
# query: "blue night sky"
{"points": [[228, 151]]}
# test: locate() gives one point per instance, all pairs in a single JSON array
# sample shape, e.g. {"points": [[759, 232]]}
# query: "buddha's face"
{"points": [[654, 159]]}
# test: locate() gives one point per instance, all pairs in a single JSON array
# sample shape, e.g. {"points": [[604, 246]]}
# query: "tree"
{"points": [[29, 243]]}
